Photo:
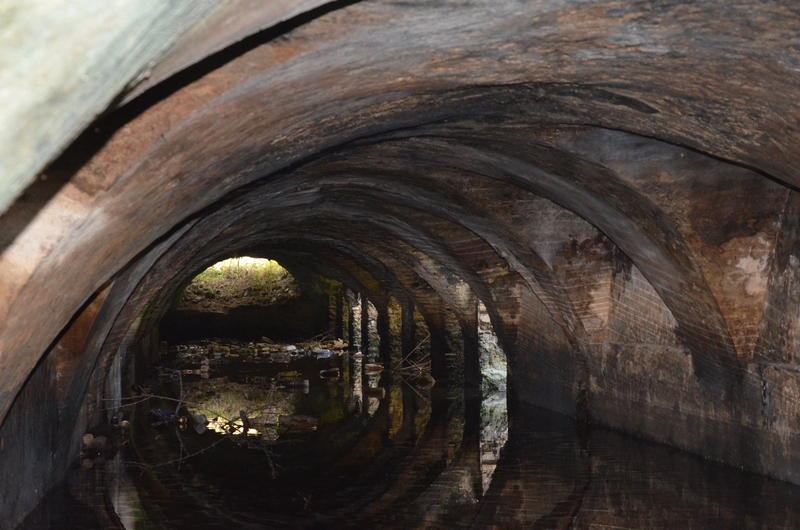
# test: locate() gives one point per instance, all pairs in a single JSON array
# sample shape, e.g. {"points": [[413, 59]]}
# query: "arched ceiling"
{"points": [[416, 141]]}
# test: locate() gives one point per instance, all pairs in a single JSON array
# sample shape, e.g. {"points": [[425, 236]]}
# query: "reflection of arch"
{"points": [[210, 254]]}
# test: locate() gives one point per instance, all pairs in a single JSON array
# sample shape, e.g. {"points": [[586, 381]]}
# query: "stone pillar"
{"points": [[364, 324], [351, 325], [439, 345]]}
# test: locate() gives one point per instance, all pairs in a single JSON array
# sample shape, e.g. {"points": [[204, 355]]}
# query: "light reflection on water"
{"points": [[387, 454], [494, 434]]}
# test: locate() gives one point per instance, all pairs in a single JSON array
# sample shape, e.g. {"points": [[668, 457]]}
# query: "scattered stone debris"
{"points": [[377, 392], [294, 387], [330, 373], [323, 353], [200, 357], [297, 424], [99, 448], [373, 369], [200, 423], [211, 376], [290, 376]]}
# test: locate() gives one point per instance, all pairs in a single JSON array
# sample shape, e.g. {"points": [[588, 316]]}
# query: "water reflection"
{"points": [[384, 453], [494, 434]]}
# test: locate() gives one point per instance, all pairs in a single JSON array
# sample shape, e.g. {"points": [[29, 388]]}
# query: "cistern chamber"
{"points": [[382, 264], [262, 396]]}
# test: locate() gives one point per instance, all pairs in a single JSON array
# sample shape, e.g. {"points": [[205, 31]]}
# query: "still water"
{"points": [[248, 436]]}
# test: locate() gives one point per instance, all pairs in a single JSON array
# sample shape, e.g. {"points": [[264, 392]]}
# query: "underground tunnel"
{"points": [[501, 264]]}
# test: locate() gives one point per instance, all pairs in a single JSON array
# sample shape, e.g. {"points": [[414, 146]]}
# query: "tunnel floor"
{"points": [[363, 448]]}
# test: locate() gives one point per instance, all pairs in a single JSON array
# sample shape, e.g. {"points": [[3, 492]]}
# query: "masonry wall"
{"points": [[642, 381]]}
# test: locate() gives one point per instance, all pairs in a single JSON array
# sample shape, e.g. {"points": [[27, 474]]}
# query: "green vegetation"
{"points": [[239, 281], [221, 401]]}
